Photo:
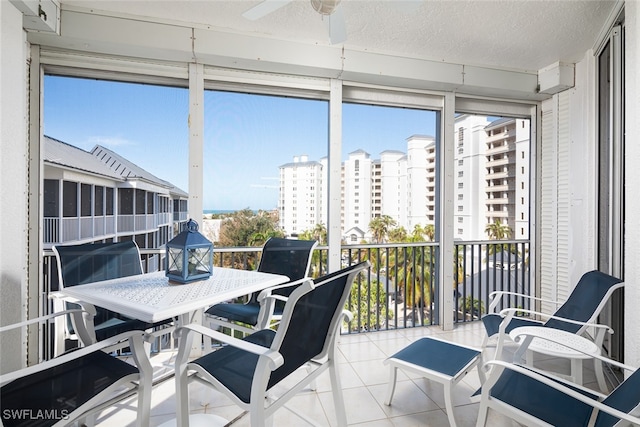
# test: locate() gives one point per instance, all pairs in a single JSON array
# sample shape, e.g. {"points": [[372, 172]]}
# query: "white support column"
{"points": [[447, 178], [335, 170], [36, 181], [196, 141], [196, 162]]}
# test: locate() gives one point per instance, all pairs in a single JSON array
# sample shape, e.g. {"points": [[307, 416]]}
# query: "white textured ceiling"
{"points": [[513, 34]]}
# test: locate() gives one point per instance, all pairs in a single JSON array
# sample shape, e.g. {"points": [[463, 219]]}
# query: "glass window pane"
{"points": [[492, 177], [85, 200], [99, 201], [109, 201], [69, 199], [389, 173], [51, 198], [265, 153], [125, 201], [116, 136]]}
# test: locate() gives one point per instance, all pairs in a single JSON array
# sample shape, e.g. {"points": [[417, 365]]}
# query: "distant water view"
{"points": [[218, 211]]}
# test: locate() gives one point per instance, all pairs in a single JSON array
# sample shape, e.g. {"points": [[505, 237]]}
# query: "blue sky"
{"points": [[247, 137]]}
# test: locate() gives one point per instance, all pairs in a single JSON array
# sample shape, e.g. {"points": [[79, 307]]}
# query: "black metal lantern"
{"points": [[189, 256]]}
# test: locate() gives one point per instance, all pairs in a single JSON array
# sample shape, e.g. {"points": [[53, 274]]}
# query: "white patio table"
{"points": [[549, 341], [151, 297]]}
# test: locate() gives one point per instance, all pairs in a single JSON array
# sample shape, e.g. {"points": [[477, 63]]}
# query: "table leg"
{"points": [[189, 318], [576, 371]]}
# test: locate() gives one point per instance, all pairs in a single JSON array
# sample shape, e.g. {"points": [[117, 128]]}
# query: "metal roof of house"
{"points": [[60, 153], [101, 161]]}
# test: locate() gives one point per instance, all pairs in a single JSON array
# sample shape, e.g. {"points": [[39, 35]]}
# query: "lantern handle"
{"points": [[192, 225]]}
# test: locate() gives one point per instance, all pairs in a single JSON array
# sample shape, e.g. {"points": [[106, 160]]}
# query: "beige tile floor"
{"points": [[417, 401]]}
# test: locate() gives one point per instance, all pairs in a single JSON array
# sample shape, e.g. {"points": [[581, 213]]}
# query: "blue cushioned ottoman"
{"points": [[437, 360]]}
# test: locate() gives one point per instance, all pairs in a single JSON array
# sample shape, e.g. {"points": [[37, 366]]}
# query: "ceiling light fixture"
{"points": [[325, 7]]}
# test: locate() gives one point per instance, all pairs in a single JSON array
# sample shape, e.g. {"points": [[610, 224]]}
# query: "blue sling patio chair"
{"points": [[535, 398], [288, 257], [248, 370], [76, 385], [578, 313], [94, 262]]}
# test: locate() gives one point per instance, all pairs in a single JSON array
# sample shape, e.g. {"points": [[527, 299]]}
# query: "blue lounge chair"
{"points": [[532, 397]]}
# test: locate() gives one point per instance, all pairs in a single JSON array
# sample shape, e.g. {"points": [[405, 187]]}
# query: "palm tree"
{"points": [[417, 235], [379, 226], [319, 233], [430, 231], [397, 235], [498, 231]]}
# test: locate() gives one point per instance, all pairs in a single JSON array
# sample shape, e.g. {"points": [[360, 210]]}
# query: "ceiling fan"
{"points": [[330, 10]]}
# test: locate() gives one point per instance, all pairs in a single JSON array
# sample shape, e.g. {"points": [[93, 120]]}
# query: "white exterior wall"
{"points": [[473, 192], [301, 196], [417, 181], [523, 179], [14, 205], [632, 178], [357, 191], [390, 165]]}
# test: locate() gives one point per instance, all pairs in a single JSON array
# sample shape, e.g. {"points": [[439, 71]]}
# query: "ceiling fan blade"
{"points": [[264, 8], [336, 26]]}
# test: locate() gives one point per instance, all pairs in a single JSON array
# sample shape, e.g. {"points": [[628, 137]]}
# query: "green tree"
{"points": [[430, 232], [498, 231], [246, 228], [370, 304], [380, 226], [397, 235]]}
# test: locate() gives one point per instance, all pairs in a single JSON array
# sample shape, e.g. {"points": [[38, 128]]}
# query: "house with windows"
{"points": [[569, 68], [99, 196]]}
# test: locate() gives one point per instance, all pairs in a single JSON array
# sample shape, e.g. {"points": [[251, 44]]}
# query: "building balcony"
{"points": [[75, 229], [500, 188], [500, 162], [500, 201], [500, 175], [361, 354], [500, 148]]}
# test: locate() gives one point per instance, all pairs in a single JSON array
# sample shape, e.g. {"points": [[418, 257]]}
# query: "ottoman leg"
{"points": [[448, 403]]}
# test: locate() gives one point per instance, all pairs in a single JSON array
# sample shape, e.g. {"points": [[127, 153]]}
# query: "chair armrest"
{"points": [[89, 308], [348, 315], [265, 293], [498, 366], [510, 312], [82, 320], [76, 312], [568, 345], [267, 301], [184, 332], [135, 338], [495, 296]]}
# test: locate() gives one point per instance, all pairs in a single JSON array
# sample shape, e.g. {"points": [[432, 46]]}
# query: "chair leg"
{"points": [[602, 383], [482, 414], [338, 398], [393, 375], [313, 385]]}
